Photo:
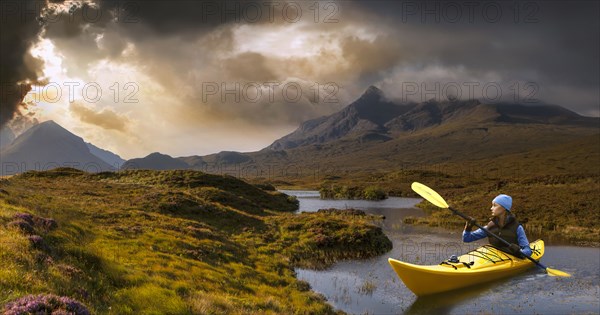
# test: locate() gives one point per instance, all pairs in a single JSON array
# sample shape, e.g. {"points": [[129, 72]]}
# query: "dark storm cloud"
{"points": [[190, 17], [21, 23], [554, 43], [18, 28]]}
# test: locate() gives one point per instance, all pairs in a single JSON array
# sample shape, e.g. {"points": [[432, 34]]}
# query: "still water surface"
{"points": [[371, 286]]}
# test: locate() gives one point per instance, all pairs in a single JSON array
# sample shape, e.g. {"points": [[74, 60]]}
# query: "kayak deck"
{"points": [[483, 264]]}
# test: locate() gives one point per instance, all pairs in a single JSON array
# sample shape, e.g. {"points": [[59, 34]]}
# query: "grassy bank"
{"points": [[554, 189], [169, 242], [563, 207], [334, 191], [559, 204]]}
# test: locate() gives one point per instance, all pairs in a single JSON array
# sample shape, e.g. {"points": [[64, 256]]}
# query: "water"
{"points": [[371, 286]]}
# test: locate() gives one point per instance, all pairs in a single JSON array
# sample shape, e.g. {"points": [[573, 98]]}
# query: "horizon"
{"points": [[196, 78], [258, 149]]}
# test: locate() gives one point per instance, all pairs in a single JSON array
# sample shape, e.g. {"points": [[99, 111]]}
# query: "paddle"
{"points": [[437, 200]]}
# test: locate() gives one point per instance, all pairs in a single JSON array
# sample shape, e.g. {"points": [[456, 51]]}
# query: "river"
{"points": [[371, 286]]}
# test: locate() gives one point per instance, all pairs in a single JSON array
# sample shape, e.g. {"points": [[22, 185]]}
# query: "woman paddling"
{"points": [[503, 224]]}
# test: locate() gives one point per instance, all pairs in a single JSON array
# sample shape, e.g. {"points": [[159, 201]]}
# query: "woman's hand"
{"points": [[516, 250], [469, 224]]}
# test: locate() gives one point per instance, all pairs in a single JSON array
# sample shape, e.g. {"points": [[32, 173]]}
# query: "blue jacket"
{"points": [[479, 234]]}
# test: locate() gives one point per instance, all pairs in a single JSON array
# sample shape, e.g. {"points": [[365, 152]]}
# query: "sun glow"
{"points": [[46, 92], [53, 61], [284, 42]]}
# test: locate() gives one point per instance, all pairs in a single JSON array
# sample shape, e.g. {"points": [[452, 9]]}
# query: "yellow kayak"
{"points": [[484, 264]]}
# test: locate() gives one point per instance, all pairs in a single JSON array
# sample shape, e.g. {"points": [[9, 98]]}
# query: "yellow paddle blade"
{"points": [[429, 194], [557, 273]]}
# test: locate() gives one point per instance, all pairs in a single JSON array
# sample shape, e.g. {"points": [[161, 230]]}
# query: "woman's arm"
{"points": [[523, 242], [469, 236]]}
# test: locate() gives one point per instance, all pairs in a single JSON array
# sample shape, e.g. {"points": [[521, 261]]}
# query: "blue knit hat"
{"points": [[504, 200]]}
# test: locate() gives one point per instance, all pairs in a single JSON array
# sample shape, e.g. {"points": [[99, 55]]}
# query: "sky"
{"points": [[198, 77]]}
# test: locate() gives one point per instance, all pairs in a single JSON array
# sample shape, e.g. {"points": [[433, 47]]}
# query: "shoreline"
{"points": [[568, 235]]}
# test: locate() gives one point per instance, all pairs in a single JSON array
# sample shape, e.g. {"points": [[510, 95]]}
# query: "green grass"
{"points": [[172, 242], [334, 191]]}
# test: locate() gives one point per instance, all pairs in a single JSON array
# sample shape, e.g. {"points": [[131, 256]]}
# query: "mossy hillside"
{"points": [[554, 190], [564, 206], [170, 242]]}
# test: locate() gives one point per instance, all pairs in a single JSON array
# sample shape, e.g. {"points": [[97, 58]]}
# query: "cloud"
{"points": [[249, 67], [172, 49], [106, 118], [22, 23], [369, 57], [554, 44], [16, 37]]}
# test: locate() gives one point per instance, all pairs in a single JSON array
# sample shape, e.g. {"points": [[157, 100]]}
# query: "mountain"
{"points": [[110, 158], [227, 157], [213, 163], [6, 137], [156, 161], [46, 146], [366, 116], [541, 114], [374, 118], [374, 133], [433, 113], [194, 161]]}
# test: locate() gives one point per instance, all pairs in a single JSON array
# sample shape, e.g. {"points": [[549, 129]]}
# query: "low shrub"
{"points": [[45, 304]]}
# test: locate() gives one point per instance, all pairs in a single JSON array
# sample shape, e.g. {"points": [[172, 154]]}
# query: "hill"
{"points": [[155, 161]]}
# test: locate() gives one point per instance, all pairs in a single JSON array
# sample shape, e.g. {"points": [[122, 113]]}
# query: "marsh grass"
{"points": [[172, 242], [554, 188], [565, 206]]}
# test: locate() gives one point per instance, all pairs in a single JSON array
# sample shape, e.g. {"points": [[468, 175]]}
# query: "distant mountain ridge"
{"points": [[368, 114], [156, 161], [372, 132], [110, 158], [46, 146], [372, 116]]}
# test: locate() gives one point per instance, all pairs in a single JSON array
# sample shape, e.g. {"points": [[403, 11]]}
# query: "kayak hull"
{"points": [[478, 266]]}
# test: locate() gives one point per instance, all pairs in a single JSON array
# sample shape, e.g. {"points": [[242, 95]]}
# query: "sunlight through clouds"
{"points": [[153, 72]]}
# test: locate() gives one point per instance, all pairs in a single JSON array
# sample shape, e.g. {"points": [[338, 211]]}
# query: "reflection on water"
{"points": [[311, 201], [371, 286]]}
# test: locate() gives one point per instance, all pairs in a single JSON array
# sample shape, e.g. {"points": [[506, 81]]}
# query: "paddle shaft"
{"points": [[462, 215]]}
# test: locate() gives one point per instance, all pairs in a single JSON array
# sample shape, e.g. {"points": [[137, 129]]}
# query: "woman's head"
{"points": [[500, 204]]}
